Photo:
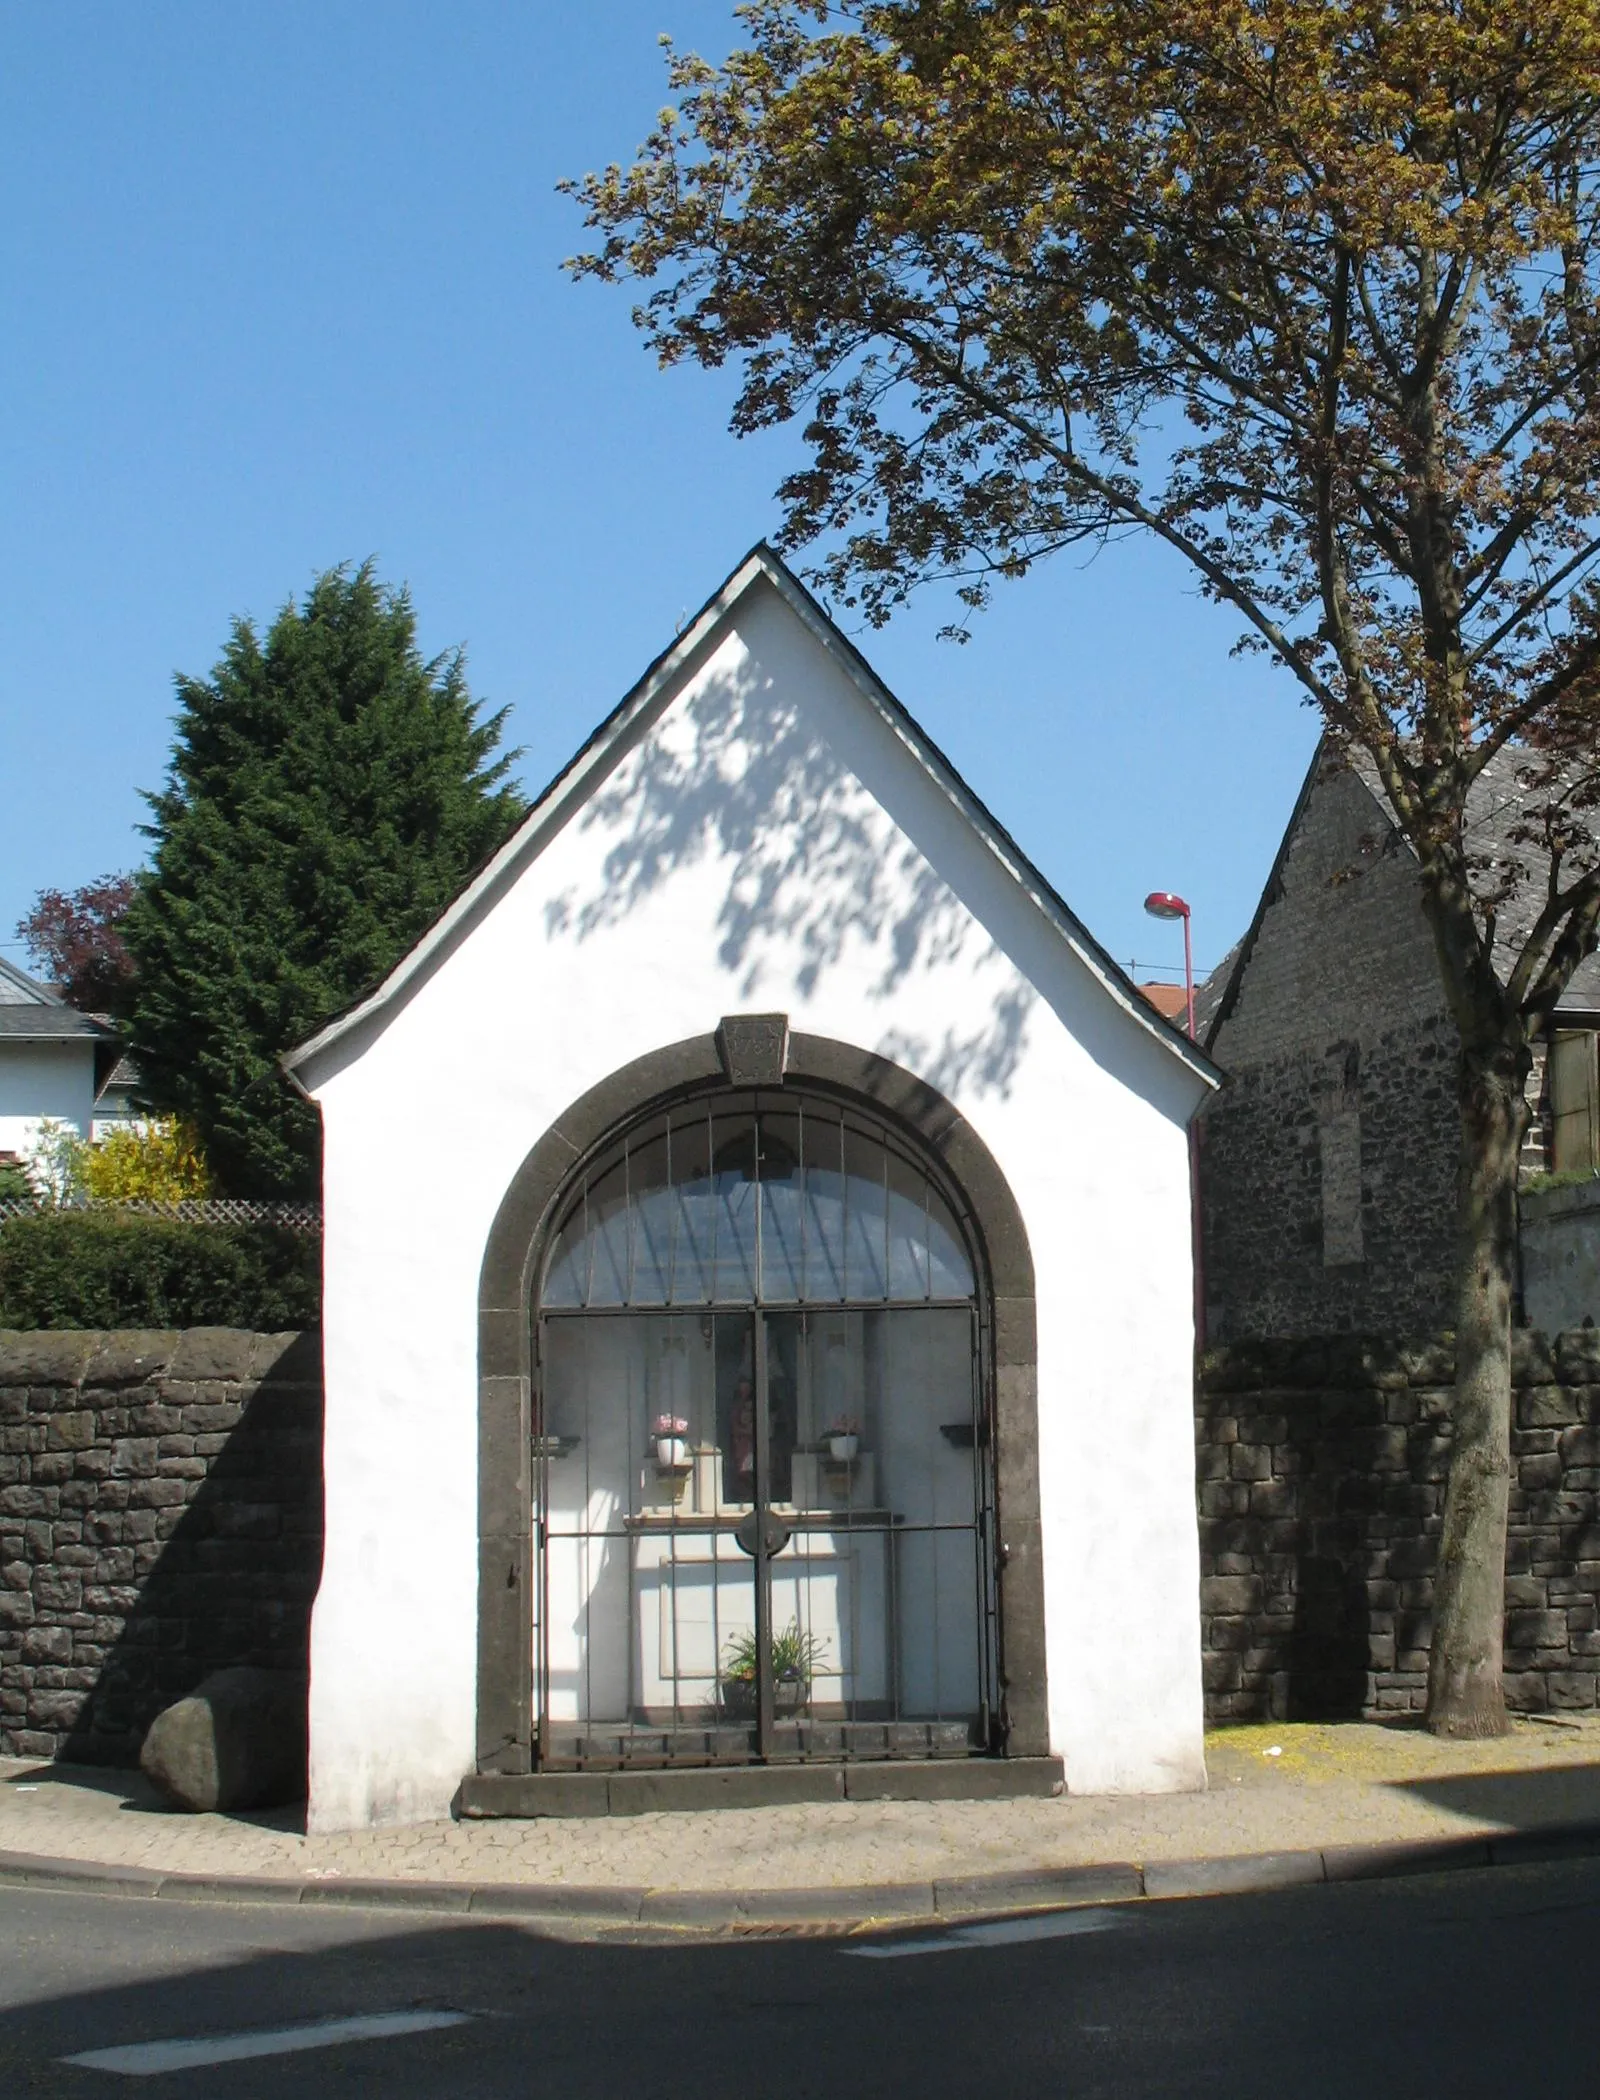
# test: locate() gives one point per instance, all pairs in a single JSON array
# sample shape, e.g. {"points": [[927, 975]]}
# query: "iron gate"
{"points": [[763, 1470]]}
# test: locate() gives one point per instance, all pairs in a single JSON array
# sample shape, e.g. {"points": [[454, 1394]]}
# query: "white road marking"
{"points": [[145, 2059], [996, 1932]]}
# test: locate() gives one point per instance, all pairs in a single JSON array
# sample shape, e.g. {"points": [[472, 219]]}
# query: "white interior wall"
{"points": [[766, 843]]}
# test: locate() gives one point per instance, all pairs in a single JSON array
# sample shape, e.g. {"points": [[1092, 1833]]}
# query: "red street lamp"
{"points": [[1162, 904]]}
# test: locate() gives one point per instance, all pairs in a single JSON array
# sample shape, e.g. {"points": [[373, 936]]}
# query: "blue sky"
{"points": [[284, 290]]}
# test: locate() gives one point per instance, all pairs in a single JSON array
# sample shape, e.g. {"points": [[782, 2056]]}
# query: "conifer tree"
{"points": [[329, 792]]}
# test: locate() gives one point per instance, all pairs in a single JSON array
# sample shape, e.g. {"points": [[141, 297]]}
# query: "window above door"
{"points": [[773, 1197]]}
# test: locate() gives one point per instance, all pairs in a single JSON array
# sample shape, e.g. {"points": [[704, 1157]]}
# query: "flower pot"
{"points": [[672, 1451], [790, 1695], [843, 1448]]}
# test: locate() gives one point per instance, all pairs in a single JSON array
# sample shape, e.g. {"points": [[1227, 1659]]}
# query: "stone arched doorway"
{"points": [[642, 1585]]}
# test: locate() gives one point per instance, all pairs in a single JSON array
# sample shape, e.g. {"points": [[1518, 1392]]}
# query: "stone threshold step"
{"points": [[485, 1794]]}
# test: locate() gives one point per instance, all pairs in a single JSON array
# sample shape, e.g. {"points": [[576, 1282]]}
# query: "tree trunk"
{"points": [[1465, 1695]]}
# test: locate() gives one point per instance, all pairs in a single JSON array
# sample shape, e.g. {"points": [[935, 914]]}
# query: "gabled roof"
{"points": [[17, 988], [573, 784], [1495, 802]]}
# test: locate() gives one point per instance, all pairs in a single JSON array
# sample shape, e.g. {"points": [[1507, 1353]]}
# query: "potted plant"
{"points": [[843, 1438], [795, 1657], [669, 1432]]}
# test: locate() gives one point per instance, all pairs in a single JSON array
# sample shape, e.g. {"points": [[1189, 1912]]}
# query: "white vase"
{"points": [[843, 1448], [671, 1451]]}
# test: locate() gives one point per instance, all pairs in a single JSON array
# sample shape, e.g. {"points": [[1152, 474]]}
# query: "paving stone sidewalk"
{"points": [[1274, 1790]]}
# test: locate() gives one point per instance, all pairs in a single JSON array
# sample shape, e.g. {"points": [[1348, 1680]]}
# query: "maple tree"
{"points": [[75, 938], [1308, 290]]}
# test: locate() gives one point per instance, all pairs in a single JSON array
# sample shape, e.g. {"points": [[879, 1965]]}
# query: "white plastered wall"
{"points": [[40, 1082], [765, 842]]}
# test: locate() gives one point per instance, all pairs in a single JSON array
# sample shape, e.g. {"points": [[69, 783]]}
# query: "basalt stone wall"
{"points": [[1328, 1183], [160, 1518], [1321, 1489]]}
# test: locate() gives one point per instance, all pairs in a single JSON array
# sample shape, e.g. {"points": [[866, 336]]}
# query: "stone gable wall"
{"points": [[160, 1518], [1321, 1470], [1328, 1158]]}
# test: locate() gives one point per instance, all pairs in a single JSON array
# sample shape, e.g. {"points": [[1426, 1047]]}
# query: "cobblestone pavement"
{"points": [[1272, 1789]]}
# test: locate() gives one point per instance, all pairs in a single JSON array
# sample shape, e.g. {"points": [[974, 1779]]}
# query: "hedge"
{"points": [[77, 1269]]}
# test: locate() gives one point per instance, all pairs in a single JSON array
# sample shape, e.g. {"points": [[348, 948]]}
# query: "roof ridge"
{"points": [[762, 561]]}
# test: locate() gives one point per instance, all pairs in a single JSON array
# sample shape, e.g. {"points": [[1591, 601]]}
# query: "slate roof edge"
{"points": [[1246, 945], [57, 1024], [37, 992], [552, 807]]}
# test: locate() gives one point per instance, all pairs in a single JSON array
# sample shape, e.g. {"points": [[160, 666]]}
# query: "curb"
{"points": [[843, 1909]]}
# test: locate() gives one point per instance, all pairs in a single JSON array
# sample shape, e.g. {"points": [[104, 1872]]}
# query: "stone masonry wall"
{"points": [[1328, 1158], [1283, 1254], [160, 1518], [1321, 1489]]}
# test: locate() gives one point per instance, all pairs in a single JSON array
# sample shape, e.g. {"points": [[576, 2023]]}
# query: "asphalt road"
{"points": [[1472, 1983]]}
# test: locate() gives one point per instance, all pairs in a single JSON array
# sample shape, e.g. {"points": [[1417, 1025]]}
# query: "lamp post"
{"points": [[1165, 904], [1162, 904]]}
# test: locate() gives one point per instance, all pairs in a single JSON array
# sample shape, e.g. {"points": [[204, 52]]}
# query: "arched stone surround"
{"points": [[505, 1332]]}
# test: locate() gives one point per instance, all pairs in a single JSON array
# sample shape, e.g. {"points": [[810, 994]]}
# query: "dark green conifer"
{"points": [[329, 792]]}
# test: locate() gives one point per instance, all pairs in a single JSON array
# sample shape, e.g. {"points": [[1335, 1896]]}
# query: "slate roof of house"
{"points": [[49, 1023], [1494, 804], [571, 786]]}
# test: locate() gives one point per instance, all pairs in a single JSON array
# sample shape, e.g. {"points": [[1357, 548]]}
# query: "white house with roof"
{"points": [[764, 1369], [54, 1062]]}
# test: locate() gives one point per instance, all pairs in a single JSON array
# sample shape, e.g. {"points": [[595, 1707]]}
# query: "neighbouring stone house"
{"points": [[56, 1064], [1328, 1159], [764, 1368]]}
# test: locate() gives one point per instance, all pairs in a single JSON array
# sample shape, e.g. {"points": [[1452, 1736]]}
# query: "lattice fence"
{"points": [[211, 1210]]}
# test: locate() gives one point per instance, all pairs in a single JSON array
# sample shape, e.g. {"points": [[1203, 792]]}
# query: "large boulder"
{"points": [[237, 1741]]}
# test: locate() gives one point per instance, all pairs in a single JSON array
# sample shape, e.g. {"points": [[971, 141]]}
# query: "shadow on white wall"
{"points": [[810, 864]]}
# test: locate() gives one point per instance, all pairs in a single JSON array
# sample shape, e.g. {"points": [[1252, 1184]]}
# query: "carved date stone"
{"points": [[754, 1048]]}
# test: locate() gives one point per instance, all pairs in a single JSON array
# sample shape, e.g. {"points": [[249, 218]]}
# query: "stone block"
{"points": [[1536, 1629], [134, 1457], [1533, 1358], [237, 1742], [44, 1358], [1226, 1596], [288, 1359], [1273, 1498], [70, 1431], [1578, 1356], [28, 1501], [1218, 1498], [224, 1353], [1250, 1462], [1428, 1362], [157, 1494], [130, 1356], [1541, 1469], [1549, 1407], [55, 1709], [1571, 1690]]}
